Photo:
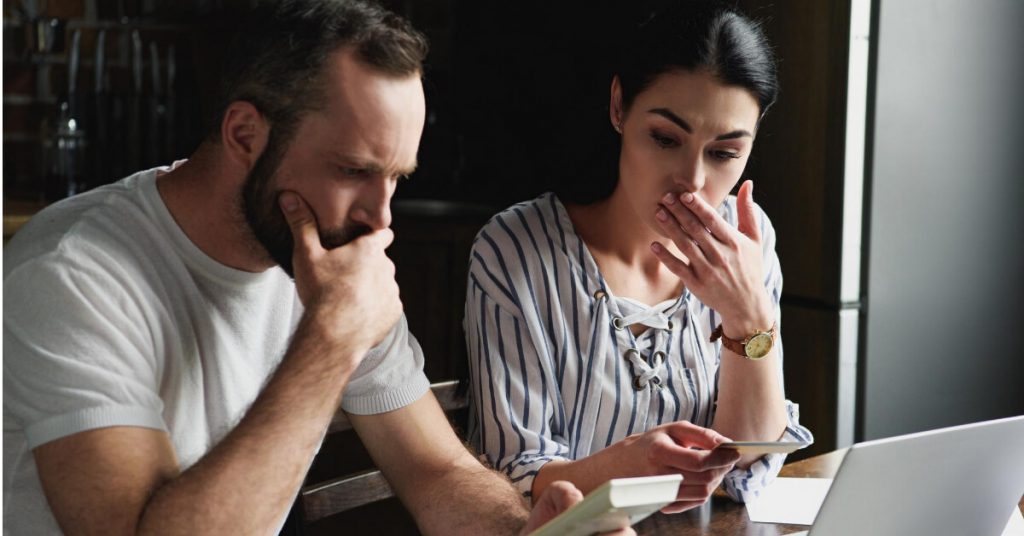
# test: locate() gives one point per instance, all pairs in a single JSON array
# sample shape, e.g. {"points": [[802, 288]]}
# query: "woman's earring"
{"points": [[618, 127]]}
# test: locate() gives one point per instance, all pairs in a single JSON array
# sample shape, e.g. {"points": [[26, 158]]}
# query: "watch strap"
{"points": [[738, 347], [733, 345]]}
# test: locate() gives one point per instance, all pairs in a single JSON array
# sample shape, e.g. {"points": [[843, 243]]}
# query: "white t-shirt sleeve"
{"points": [[77, 352], [389, 377]]}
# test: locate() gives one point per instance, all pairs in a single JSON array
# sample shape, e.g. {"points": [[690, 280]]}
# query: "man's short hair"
{"points": [[276, 54]]}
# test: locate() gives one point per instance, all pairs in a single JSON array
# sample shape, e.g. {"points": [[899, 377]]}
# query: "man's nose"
{"points": [[373, 208]]}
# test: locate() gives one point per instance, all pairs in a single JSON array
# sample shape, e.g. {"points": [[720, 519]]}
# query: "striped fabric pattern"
{"points": [[549, 380]]}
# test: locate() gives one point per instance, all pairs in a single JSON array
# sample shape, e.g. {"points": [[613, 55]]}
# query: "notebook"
{"points": [[616, 504]]}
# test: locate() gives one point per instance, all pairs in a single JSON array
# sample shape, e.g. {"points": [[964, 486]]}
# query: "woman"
{"points": [[607, 339]]}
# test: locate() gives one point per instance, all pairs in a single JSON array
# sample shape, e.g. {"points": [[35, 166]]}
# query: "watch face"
{"points": [[759, 345]]}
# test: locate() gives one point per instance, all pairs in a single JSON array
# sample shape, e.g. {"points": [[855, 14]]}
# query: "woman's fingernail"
{"points": [[655, 247], [661, 215], [687, 198], [669, 199]]}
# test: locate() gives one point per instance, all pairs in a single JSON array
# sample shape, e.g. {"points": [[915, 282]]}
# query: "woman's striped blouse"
{"points": [[555, 373]]}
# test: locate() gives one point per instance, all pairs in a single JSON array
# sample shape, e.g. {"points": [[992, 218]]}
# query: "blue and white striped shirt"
{"points": [[552, 378]]}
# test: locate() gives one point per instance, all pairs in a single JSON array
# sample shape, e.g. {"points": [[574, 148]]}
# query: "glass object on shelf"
{"points": [[64, 150]]}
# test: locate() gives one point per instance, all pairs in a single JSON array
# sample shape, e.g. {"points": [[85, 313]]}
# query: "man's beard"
{"points": [[263, 213]]}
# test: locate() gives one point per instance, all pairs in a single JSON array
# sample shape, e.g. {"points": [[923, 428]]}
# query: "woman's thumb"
{"points": [[746, 212]]}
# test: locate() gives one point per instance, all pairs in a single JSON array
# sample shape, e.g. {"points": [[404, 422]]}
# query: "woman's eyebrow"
{"points": [[671, 116], [733, 135]]}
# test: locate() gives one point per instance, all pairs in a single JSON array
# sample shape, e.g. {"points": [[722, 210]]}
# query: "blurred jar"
{"points": [[64, 156]]}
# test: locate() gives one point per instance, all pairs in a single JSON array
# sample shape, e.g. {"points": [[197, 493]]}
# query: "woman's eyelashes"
{"points": [[664, 141], [719, 154]]}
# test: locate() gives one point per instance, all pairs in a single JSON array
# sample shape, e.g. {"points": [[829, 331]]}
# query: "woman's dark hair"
{"points": [[276, 53], [690, 35], [698, 35]]}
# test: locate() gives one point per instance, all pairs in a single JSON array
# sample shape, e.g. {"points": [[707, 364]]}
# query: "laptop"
{"points": [[964, 480]]}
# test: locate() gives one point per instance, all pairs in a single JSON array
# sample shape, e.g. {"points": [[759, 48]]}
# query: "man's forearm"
{"points": [[246, 483], [472, 499]]}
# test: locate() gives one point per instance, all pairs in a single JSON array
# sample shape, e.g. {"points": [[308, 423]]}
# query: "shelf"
{"points": [[27, 100], [20, 137], [128, 24], [82, 24], [52, 58]]}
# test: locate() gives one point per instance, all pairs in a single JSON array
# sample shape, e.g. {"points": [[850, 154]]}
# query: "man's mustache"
{"points": [[340, 237]]}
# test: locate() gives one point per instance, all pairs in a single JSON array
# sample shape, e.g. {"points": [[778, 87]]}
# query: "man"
{"points": [[162, 374]]}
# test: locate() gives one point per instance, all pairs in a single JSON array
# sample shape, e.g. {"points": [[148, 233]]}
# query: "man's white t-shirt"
{"points": [[113, 317]]}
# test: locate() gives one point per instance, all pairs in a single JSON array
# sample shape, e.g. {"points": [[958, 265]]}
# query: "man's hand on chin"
{"points": [[557, 498]]}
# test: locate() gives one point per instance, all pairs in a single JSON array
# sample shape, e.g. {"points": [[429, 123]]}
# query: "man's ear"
{"points": [[244, 133]]}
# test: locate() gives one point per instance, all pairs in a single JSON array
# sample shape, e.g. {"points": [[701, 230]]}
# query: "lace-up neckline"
{"points": [[626, 312], [635, 312]]}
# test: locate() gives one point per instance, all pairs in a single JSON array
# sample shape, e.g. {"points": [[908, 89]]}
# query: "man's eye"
{"points": [[353, 172]]}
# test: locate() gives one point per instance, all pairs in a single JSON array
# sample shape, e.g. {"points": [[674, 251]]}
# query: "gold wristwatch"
{"points": [[753, 347]]}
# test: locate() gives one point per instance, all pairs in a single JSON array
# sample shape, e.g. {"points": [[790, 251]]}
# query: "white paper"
{"points": [[793, 501], [1015, 527]]}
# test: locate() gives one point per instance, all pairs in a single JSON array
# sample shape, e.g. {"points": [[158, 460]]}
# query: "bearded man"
{"points": [[176, 343]]}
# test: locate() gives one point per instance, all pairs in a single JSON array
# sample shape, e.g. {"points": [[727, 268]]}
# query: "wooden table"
{"points": [[721, 515]]}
